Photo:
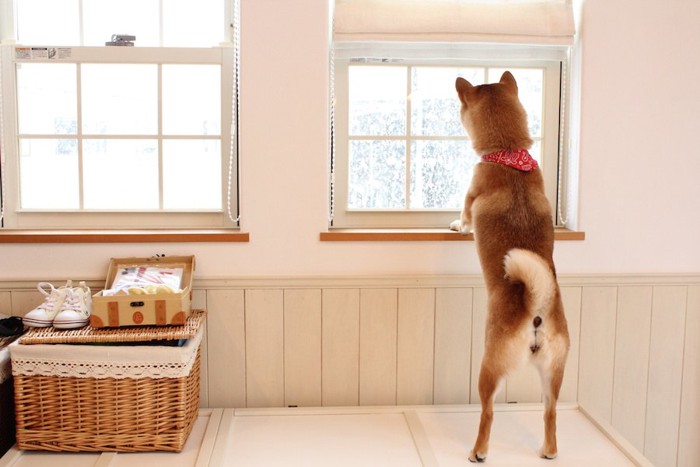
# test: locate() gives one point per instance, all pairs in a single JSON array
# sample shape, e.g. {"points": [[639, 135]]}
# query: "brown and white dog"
{"points": [[512, 223]]}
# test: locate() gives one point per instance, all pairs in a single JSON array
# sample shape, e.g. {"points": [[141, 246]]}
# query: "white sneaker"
{"points": [[43, 315], [76, 309]]}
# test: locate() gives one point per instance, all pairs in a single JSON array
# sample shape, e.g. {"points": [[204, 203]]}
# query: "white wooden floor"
{"points": [[381, 436]]}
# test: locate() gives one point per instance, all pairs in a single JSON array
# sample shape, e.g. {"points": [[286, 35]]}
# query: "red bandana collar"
{"points": [[517, 158]]}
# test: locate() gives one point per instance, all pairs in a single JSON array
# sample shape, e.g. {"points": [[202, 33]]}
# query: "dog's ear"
{"points": [[508, 80], [463, 88]]}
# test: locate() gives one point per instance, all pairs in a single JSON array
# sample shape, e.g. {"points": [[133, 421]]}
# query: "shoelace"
{"points": [[51, 297], [72, 301]]}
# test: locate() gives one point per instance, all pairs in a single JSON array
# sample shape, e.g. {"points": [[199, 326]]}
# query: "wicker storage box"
{"points": [[144, 309], [124, 398]]}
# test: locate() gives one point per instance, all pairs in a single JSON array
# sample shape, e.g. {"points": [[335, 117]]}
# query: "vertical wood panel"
{"points": [[631, 362], [5, 303], [688, 446], [479, 314], [596, 364], [23, 301], [523, 385], [571, 298], [378, 320], [302, 347], [226, 348], [453, 329], [199, 301], [415, 346], [341, 347], [264, 322], [665, 374]]}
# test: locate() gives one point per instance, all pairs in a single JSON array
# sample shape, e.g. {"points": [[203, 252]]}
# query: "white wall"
{"points": [[640, 111]]}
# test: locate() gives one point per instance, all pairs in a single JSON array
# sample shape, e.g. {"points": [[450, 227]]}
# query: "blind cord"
{"points": [[562, 141], [332, 129], [233, 147]]}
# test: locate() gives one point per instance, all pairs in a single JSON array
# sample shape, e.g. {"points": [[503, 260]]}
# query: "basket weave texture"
{"points": [[87, 414], [57, 413]]}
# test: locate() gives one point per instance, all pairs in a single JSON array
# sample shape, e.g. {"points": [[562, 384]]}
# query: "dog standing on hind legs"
{"points": [[508, 212]]}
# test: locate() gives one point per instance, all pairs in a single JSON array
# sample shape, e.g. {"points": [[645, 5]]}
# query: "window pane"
{"points": [[530, 85], [434, 102], [440, 173], [120, 99], [536, 151], [46, 98], [120, 174], [48, 173], [192, 99], [377, 175], [377, 100], [191, 174], [102, 19], [48, 22], [193, 24]]}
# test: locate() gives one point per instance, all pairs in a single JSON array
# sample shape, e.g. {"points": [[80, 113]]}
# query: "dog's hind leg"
{"points": [[551, 375], [489, 381]]}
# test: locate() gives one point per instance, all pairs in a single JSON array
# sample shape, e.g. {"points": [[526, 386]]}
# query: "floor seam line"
{"points": [[420, 439]]}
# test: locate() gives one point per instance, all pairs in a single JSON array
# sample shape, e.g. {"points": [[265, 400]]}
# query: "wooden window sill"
{"points": [[418, 235], [122, 236]]}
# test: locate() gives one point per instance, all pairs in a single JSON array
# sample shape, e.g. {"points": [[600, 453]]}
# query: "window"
{"points": [[120, 137], [400, 157]]}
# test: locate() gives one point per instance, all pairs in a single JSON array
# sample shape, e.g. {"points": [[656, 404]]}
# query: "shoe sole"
{"points": [[36, 324], [70, 324]]}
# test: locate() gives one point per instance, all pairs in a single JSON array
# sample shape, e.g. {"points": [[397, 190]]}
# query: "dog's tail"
{"points": [[532, 270]]}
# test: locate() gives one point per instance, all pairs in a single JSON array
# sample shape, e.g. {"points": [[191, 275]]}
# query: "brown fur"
{"points": [[507, 209]]}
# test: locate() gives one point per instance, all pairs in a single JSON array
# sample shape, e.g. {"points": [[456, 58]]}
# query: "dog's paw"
{"points": [[459, 226], [547, 453], [476, 457]]}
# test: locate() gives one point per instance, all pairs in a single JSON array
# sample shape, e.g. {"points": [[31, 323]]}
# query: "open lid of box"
{"points": [[184, 263]]}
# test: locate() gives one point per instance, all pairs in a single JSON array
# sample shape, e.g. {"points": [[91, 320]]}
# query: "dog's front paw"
{"points": [[459, 226], [476, 457]]}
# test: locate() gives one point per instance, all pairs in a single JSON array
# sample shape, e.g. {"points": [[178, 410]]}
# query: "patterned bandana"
{"points": [[517, 158]]}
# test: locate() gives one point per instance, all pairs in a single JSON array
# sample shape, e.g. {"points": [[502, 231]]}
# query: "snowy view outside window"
{"points": [[407, 149]]}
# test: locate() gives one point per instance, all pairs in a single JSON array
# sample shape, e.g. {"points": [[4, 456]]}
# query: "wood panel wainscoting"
{"points": [[418, 340]]}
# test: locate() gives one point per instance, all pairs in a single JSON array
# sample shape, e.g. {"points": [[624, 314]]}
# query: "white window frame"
{"points": [[224, 55], [552, 59]]}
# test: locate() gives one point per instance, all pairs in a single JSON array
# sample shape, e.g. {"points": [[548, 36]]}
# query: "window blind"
{"points": [[548, 22]]}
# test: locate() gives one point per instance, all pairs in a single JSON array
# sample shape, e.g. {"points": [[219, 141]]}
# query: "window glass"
{"points": [[377, 174], [191, 174], [120, 99], [56, 97], [138, 18], [120, 174], [188, 109], [49, 174], [440, 172], [377, 100], [193, 24], [48, 22]]}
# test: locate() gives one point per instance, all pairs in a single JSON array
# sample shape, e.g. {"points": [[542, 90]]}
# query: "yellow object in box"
{"points": [[137, 292]]}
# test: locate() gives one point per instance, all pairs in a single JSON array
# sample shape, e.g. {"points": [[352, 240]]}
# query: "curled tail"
{"points": [[532, 270]]}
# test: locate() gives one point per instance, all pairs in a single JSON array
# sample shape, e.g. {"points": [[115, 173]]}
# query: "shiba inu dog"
{"points": [[508, 212]]}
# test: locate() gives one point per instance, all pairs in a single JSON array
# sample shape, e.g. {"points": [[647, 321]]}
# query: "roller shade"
{"points": [[497, 21]]}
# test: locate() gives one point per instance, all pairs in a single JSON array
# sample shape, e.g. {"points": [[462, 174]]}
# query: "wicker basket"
{"points": [[86, 414], [128, 413]]}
